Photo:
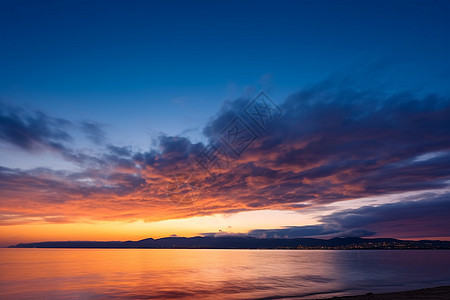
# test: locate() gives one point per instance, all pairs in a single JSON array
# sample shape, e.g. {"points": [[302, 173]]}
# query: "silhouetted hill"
{"points": [[231, 242]]}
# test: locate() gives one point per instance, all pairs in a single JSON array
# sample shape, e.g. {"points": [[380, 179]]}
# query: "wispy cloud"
{"points": [[94, 132]]}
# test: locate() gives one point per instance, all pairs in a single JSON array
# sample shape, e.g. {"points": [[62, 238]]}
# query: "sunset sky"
{"points": [[123, 120]]}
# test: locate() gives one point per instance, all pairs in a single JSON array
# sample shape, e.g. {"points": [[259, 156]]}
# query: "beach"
{"points": [[441, 292]]}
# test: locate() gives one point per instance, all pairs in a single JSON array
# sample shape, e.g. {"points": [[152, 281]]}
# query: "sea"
{"points": [[215, 274]]}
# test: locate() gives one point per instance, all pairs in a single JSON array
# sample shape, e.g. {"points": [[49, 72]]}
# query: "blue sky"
{"points": [[121, 73]]}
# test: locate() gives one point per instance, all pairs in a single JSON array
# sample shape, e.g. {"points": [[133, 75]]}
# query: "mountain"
{"points": [[232, 242]]}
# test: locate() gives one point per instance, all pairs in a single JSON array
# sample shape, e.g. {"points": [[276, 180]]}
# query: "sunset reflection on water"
{"points": [[213, 274]]}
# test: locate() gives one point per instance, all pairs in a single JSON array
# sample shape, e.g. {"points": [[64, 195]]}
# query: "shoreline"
{"points": [[440, 292]]}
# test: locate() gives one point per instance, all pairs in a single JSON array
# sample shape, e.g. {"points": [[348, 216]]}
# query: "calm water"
{"points": [[214, 274]]}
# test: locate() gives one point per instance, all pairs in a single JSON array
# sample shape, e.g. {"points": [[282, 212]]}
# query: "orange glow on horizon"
{"points": [[123, 231]]}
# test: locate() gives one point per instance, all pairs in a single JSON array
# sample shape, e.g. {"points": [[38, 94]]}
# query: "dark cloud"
{"points": [[173, 154], [35, 131], [425, 218], [32, 131], [409, 219], [334, 144]]}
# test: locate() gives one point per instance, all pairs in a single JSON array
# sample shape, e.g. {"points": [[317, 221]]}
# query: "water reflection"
{"points": [[213, 274]]}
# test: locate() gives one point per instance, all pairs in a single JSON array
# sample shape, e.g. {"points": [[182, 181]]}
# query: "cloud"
{"points": [[120, 151], [429, 217], [310, 231], [294, 231], [222, 233], [331, 143], [32, 131], [423, 216], [94, 132], [35, 131]]}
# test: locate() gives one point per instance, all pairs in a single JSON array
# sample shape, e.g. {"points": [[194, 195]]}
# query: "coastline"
{"points": [[437, 293]]}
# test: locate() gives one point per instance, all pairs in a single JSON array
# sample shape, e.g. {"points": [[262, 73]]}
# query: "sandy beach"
{"points": [[441, 292]]}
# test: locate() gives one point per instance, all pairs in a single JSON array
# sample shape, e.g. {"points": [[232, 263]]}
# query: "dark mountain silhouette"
{"points": [[232, 242]]}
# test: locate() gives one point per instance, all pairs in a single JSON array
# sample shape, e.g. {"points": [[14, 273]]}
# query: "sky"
{"points": [[123, 120]]}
